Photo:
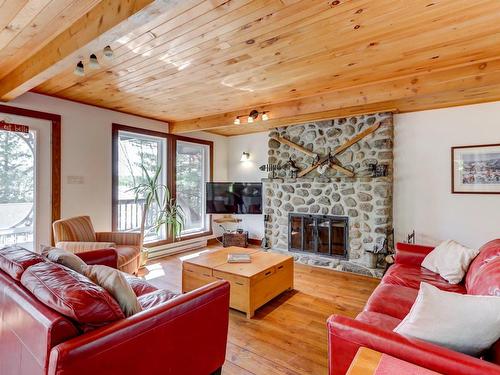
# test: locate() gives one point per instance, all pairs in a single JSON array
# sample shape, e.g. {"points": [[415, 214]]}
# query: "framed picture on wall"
{"points": [[475, 169]]}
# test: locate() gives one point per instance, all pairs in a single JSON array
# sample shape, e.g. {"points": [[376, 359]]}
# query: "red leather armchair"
{"points": [[392, 300], [178, 335]]}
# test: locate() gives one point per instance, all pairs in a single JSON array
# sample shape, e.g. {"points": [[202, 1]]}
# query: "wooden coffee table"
{"points": [[252, 284]]}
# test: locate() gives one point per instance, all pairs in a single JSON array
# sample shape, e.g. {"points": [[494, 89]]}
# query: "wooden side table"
{"points": [[371, 362]]}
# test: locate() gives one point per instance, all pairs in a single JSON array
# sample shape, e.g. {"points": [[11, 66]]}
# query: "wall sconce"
{"points": [[237, 121], [245, 156], [93, 62], [79, 69]]}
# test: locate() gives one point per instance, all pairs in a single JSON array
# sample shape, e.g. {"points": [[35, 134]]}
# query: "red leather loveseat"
{"points": [[390, 303], [177, 335]]}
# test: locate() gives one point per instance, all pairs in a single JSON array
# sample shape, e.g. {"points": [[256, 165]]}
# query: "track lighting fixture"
{"points": [[108, 52], [79, 69], [253, 116], [93, 62]]}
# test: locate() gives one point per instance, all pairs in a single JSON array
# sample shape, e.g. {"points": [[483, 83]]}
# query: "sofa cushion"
{"points": [[155, 298], [115, 282], [71, 294], [450, 260], [139, 286], [464, 323], [14, 260], [411, 277], [379, 320], [483, 277], [393, 300], [66, 259]]}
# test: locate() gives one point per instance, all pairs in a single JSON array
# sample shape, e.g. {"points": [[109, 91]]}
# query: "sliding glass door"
{"points": [[138, 155], [185, 168], [192, 173]]}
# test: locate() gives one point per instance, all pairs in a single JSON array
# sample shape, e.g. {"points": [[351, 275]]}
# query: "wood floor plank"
{"points": [[287, 336]]}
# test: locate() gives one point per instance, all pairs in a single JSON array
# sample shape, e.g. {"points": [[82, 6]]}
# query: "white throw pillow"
{"points": [[450, 260], [462, 322]]}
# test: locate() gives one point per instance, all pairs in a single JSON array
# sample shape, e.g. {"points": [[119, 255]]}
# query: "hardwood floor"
{"points": [[287, 335]]}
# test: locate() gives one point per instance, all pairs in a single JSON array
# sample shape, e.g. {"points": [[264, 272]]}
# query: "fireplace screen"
{"points": [[319, 234]]}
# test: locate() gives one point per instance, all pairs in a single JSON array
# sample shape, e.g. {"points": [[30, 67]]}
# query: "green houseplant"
{"points": [[159, 203]]}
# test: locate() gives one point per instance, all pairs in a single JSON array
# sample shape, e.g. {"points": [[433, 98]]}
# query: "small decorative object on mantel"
{"points": [[475, 169], [411, 237], [271, 168], [292, 168], [378, 170]]}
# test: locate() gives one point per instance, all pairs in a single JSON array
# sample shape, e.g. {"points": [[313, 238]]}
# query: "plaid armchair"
{"points": [[77, 235]]}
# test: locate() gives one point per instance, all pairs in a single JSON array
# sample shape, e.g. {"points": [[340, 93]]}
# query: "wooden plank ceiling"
{"points": [[200, 63]]}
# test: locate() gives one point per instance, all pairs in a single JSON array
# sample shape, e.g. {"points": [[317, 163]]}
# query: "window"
{"points": [[185, 166], [192, 173], [136, 151]]}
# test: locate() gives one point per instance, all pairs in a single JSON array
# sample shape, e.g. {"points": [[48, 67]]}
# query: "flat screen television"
{"points": [[234, 198]]}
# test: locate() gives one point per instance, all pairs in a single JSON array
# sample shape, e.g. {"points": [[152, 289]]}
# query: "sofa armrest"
{"points": [[104, 257], [185, 335], [81, 247], [410, 254], [346, 336], [120, 238]]}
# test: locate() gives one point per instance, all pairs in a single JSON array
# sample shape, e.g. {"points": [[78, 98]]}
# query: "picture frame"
{"points": [[475, 169]]}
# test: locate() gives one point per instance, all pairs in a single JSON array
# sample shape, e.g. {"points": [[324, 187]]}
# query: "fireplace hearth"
{"points": [[319, 234]]}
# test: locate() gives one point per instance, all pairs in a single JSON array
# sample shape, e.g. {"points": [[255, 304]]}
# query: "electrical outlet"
{"points": [[75, 180]]}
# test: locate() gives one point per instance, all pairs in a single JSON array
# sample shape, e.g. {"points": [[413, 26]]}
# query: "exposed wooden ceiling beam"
{"points": [[386, 95], [102, 25]]}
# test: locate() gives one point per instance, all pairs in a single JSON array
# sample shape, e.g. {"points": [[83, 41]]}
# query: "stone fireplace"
{"points": [[362, 204]]}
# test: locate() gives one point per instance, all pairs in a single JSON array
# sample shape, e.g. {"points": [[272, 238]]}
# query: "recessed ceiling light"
{"points": [[108, 52]]}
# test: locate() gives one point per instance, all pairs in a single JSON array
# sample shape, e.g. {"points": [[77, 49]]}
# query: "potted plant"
{"points": [[159, 206]]}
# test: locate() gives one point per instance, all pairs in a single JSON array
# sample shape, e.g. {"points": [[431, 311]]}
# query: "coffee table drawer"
{"points": [[237, 280], [194, 276], [240, 291]]}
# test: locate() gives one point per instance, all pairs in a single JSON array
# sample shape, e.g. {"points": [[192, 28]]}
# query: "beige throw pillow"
{"points": [[116, 284], [465, 323], [450, 260], [65, 258]]}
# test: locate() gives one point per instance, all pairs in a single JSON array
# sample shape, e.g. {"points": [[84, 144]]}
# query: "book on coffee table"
{"points": [[238, 258]]}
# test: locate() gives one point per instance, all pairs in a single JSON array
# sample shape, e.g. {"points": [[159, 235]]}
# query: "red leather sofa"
{"points": [[174, 334], [390, 303]]}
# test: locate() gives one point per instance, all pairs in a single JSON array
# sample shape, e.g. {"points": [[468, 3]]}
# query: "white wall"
{"points": [[422, 187], [248, 171], [86, 152]]}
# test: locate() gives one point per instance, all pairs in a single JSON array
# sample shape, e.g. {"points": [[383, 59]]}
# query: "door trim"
{"points": [[55, 153]]}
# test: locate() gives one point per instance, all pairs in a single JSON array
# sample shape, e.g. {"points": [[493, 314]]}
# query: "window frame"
{"points": [[171, 180]]}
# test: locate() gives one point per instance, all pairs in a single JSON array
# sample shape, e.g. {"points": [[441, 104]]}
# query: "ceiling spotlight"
{"points": [[237, 121], [93, 62], [253, 116], [108, 52], [265, 116], [79, 69]]}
